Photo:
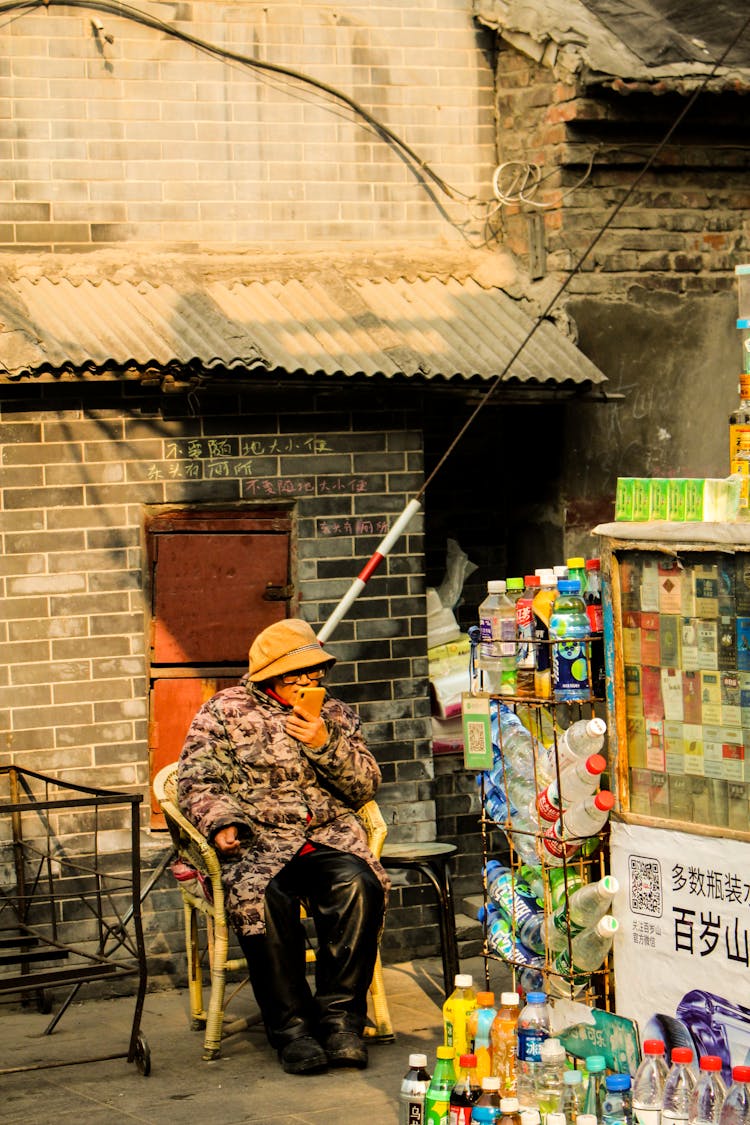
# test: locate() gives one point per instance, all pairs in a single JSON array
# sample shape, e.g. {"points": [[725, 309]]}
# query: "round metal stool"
{"points": [[432, 860]]}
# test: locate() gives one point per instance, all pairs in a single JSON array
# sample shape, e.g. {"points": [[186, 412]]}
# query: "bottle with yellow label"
{"points": [[541, 608], [739, 419], [456, 1010], [741, 466]]}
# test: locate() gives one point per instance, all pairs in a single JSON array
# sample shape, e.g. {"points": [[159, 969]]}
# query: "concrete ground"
{"points": [[245, 1085]]}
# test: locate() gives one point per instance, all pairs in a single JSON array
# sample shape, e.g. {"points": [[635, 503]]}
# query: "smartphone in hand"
{"points": [[311, 698]]}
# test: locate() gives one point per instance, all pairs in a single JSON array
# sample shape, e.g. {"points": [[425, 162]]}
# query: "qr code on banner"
{"points": [[645, 886], [475, 733]]}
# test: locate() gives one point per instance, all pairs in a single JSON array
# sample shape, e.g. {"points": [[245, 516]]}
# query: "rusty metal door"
{"points": [[217, 579]]}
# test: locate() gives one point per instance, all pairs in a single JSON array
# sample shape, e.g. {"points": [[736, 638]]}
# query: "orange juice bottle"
{"points": [[503, 1042], [541, 608]]}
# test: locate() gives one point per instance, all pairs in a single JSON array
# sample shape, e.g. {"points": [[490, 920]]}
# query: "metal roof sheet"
{"points": [[322, 322], [673, 43]]}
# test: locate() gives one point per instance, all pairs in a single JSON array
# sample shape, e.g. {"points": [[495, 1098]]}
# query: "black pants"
{"points": [[346, 902]]}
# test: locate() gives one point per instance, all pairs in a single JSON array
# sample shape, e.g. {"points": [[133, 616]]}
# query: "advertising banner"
{"points": [[682, 952]]}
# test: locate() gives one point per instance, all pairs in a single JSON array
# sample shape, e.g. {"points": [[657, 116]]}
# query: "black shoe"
{"points": [[345, 1048], [303, 1055]]}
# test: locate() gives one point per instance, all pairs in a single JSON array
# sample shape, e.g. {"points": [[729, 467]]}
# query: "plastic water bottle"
{"points": [[523, 750], [514, 897], [648, 1084], [503, 1041], [496, 806], [588, 816], [592, 1102], [478, 1024], [589, 949], [588, 1119], [576, 782], [502, 940], [592, 945], [572, 1096], [486, 1109], [497, 650], [678, 1086], [532, 1030], [455, 1012], [617, 1106], [549, 1079], [584, 737], [583, 908], [510, 1113], [438, 1097], [708, 1096], [465, 1092], [413, 1089], [580, 821], [569, 632], [515, 770], [525, 653], [736, 1108], [562, 884]]}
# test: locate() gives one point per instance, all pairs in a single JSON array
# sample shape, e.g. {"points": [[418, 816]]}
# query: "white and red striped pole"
{"points": [[369, 569]]}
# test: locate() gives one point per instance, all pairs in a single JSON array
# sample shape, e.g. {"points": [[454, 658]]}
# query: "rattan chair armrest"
{"points": [[190, 842], [375, 826]]}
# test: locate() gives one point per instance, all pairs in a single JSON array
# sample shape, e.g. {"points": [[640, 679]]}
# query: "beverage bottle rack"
{"points": [[545, 718]]}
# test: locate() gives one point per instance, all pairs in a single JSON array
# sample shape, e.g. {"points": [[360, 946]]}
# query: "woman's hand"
{"points": [[227, 841], [306, 728]]}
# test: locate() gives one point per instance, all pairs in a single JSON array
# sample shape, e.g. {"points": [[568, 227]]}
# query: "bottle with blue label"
{"points": [[515, 898], [569, 633], [617, 1107], [532, 1029]]}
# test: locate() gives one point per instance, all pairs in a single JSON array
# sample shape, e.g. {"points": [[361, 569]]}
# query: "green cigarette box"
{"points": [[659, 498], [641, 499], [676, 499], [624, 499], [694, 492]]}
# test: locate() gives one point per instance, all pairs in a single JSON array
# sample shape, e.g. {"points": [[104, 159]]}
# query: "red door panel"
{"points": [[208, 594], [173, 707]]}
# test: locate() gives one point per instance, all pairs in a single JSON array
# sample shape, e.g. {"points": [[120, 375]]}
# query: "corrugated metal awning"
{"points": [[322, 322]]}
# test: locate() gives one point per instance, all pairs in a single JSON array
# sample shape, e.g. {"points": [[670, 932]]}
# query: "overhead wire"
{"points": [[521, 194]]}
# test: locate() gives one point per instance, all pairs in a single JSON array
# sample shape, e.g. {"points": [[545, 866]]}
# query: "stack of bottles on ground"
{"points": [[501, 1064]]}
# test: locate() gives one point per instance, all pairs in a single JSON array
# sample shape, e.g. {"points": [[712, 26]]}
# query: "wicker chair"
{"points": [[196, 852]]}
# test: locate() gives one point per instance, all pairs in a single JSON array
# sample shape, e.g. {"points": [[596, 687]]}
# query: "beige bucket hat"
{"points": [[286, 646]]}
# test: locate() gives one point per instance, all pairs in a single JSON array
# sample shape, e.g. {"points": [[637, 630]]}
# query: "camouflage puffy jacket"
{"points": [[239, 766]]}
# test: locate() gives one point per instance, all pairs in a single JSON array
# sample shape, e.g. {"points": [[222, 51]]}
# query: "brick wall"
{"points": [[148, 138], [77, 482], [681, 229]]}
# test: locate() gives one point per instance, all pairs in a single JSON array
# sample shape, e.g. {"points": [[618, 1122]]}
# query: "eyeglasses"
{"points": [[315, 675]]}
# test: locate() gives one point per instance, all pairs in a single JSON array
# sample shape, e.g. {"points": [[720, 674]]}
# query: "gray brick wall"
{"points": [[150, 139], [78, 481]]}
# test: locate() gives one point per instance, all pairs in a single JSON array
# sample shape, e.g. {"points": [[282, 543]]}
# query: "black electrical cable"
{"points": [[126, 11], [137, 16]]}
